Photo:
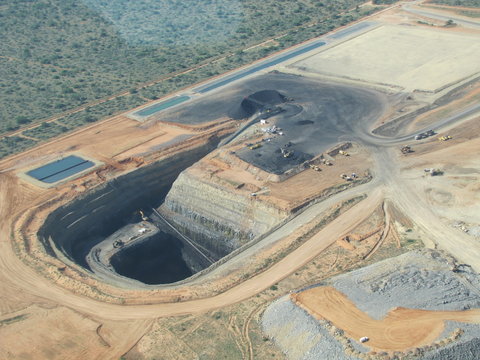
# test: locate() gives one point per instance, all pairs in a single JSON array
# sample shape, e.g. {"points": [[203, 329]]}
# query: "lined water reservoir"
{"points": [[60, 169], [162, 105]]}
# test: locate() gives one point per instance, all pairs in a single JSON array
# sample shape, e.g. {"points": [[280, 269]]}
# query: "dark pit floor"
{"points": [[157, 260]]}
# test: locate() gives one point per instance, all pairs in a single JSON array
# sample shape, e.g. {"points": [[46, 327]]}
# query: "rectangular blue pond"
{"points": [[162, 105], [263, 65], [60, 169]]}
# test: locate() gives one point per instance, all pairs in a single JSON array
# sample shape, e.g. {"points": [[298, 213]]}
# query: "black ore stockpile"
{"points": [[256, 102]]}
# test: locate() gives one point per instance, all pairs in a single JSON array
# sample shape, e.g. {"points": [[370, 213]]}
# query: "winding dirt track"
{"points": [[16, 272], [401, 329]]}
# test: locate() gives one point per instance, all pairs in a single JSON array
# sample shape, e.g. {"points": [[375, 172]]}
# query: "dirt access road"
{"points": [[387, 179], [13, 269], [387, 182], [396, 331]]}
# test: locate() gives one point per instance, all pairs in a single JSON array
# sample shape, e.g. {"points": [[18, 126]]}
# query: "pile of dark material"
{"points": [[256, 102]]}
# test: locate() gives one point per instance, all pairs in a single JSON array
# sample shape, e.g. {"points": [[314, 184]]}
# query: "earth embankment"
{"points": [[216, 217]]}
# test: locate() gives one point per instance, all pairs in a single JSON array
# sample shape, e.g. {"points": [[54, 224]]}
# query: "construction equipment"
{"points": [[315, 167], [346, 177], [118, 244], [433, 172], [406, 149], [444, 138], [144, 217], [286, 153], [424, 135], [344, 153], [255, 146], [261, 192]]}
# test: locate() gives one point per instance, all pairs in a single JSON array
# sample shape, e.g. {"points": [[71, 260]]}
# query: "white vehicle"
{"points": [[364, 339]]}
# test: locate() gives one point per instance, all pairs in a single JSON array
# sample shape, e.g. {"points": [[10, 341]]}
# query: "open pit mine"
{"points": [[320, 203], [174, 217]]}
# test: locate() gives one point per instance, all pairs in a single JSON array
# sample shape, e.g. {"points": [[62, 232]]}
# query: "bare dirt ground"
{"points": [[400, 330], [452, 196], [61, 333], [371, 56], [234, 332], [239, 177]]}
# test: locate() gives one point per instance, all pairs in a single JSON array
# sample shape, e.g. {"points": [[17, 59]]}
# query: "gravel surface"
{"points": [[298, 334], [421, 279], [414, 280]]}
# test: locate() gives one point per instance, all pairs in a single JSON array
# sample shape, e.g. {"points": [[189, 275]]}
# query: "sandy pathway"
{"points": [[14, 270], [401, 329]]}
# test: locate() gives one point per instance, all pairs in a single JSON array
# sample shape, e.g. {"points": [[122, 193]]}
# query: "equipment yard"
{"points": [[322, 203]]}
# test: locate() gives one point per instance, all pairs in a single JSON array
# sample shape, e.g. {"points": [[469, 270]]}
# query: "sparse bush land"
{"points": [[57, 55], [13, 144]]}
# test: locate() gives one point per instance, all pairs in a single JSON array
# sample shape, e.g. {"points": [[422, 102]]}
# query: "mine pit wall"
{"points": [[81, 224], [215, 217]]}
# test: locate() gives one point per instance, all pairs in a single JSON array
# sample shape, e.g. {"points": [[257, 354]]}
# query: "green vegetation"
{"points": [[473, 14], [467, 3], [14, 144], [58, 55]]}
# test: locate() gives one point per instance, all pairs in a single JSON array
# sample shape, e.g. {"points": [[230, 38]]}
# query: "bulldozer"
{"points": [[326, 162], [286, 153], [315, 167], [144, 217], [344, 153]]}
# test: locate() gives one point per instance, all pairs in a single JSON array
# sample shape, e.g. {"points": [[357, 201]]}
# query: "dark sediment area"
{"points": [[158, 260], [257, 102], [75, 228], [313, 116]]}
